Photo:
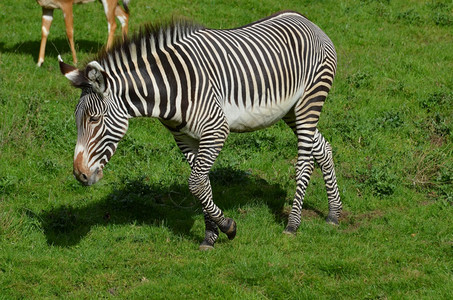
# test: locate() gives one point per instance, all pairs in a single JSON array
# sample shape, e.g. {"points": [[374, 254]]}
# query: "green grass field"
{"points": [[136, 233]]}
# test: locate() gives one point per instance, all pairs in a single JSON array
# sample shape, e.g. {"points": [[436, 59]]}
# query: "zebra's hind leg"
{"points": [[322, 152], [304, 168]]}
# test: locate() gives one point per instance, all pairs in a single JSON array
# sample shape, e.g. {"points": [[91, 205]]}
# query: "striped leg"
{"points": [[303, 121], [211, 143], [211, 233], [304, 166], [322, 152], [304, 169], [189, 147]]}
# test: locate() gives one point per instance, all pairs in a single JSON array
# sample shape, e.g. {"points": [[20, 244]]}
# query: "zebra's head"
{"points": [[100, 123]]}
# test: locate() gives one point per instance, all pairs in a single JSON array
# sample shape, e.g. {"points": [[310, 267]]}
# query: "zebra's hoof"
{"points": [[333, 220], [291, 231], [206, 246], [229, 229]]}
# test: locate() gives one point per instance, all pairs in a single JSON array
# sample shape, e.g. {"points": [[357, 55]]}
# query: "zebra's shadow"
{"points": [[140, 202]]}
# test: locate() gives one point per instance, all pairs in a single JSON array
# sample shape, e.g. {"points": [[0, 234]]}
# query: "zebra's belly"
{"points": [[243, 119]]}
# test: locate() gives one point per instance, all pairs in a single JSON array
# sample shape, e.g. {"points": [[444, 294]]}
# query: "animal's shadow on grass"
{"points": [[54, 47], [140, 202]]}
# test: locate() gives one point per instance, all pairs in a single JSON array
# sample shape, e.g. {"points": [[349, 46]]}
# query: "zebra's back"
{"points": [[259, 72]]}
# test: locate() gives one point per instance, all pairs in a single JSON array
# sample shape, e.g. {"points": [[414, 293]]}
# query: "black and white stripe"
{"points": [[203, 83]]}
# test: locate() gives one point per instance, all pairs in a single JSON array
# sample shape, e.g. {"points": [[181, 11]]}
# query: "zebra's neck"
{"points": [[145, 75]]}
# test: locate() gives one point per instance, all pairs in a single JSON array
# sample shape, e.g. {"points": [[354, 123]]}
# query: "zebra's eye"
{"points": [[95, 118]]}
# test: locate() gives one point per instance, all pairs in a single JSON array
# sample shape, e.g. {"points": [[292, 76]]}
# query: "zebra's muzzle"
{"points": [[88, 178], [84, 174]]}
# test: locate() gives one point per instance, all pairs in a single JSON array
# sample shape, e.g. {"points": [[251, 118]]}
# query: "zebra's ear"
{"points": [[74, 75], [97, 77]]}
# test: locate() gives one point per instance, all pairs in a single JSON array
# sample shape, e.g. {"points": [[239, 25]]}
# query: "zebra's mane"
{"points": [[178, 28]]}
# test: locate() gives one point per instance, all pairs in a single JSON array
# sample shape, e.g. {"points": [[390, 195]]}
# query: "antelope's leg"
{"points": [[109, 9], [69, 23], [47, 17], [123, 16]]}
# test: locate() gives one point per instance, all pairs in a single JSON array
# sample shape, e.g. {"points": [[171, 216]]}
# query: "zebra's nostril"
{"points": [[84, 177]]}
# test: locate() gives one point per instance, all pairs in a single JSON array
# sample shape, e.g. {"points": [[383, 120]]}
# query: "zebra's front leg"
{"points": [[211, 233], [322, 152], [200, 187], [189, 147], [209, 148]]}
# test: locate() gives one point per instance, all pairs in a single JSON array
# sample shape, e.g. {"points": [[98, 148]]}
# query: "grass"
{"points": [[136, 233]]}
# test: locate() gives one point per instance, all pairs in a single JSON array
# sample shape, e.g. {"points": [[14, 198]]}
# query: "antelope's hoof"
{"points": [[230, 228], [291, 231], [333, 220]]}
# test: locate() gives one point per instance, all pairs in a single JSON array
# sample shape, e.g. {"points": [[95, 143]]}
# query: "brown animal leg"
{"points": [[110, 8], [47, 17], [123, 17], [69, 20]]}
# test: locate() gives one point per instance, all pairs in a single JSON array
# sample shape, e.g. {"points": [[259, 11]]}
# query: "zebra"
{"points": [[202, 84]]}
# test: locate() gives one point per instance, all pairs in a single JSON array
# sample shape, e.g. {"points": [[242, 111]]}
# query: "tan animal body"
{"points": [[112, 9]]}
